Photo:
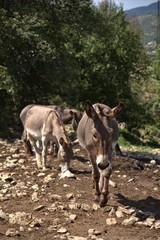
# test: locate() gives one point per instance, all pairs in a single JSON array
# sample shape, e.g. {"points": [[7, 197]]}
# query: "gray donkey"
{"points": [[97, 133], [67, 115], [42, 125]]}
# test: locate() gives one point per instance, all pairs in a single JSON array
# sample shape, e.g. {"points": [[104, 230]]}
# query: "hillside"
{"points": [[146, 18], [144, 10]]}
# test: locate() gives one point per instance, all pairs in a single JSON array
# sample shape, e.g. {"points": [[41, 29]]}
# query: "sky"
{"points": [[128, 4]]}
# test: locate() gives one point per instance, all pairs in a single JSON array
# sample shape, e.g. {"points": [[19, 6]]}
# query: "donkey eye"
{"points": [[95, 136]]}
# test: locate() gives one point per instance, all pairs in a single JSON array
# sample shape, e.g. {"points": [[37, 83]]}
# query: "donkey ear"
{"points": [[72, 113], [90, 110], [114, 112], [62, 142]]}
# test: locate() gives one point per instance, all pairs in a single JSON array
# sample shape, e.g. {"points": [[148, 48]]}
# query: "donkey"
{"points": [[75, 121], [67, 115], [42, 125], [97, 133]]}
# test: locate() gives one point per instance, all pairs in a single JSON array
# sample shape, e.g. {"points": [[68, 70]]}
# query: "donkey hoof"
{"points": [[96, 198], [39, 167], [44, 169], [103, 201]]}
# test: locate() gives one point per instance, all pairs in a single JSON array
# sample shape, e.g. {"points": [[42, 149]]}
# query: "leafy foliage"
{"points": [[64, 52]]}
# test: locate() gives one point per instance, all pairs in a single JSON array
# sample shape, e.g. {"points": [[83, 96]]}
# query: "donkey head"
{"points": [[100, 146], [65, 154]]}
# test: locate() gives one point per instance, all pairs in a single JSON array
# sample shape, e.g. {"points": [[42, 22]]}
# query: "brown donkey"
{"points": [[97, 133], [42, 125]]}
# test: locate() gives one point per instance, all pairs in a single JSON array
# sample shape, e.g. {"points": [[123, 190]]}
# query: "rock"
{"points": [[131, 221], [20, 184], [20, 218], [153, 162], [12, 232], [55, 197], [51, 228], [157, 224], [126, 210], [62, 230], [52, 208], [35, 187], [92, 232], [72, 217], [4, 216], [41, 174], [70, 195], [38, 208], [113, 184], [34, 197], [67, 174], [130, 180], [149, 221], [111, 221], [11, 165], [119, 214], [76, 238], [7, 178], [36, 223], [95, 206], [21, 161], [66, 185], [49, 177], [74, 206], [85, 207], [112, 211]]}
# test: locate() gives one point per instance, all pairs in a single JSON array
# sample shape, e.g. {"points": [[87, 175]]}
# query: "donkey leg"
{"points": [[54, 149], [38, 158], [37, 151], [105, 174], [96, 178], [26, 144], [44, 152]]}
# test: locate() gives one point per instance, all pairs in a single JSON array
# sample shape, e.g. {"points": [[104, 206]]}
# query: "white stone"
{"points": [[72, 217], [3, 215], [153, 162], [113, 184], [34, 197], [20, 218], [67, 174], [111, 221], [131, 221], [70, 195], [62, 230], [157, 224], [12, 232], [119, 214]]}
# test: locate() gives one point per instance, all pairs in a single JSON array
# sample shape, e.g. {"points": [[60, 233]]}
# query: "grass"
{"points": [[130, 142]]}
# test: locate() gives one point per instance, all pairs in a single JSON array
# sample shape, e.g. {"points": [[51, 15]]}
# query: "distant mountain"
{"points": [[145, 18], [139, 11]]}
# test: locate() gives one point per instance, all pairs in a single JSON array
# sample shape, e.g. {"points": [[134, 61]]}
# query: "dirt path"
{"points": [[40, 205]]}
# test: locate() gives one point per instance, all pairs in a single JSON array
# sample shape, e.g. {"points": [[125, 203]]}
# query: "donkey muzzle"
{"points": [[102, 162]]}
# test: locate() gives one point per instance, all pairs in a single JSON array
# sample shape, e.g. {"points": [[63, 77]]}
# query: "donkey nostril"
{"points": [[103, 166]]}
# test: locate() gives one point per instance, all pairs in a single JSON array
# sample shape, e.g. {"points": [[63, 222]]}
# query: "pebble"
{"points": [[62, 230], [12, 232], [111, 221]]}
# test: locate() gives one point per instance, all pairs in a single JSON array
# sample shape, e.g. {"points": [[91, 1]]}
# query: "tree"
{"points": [[69, 51]]}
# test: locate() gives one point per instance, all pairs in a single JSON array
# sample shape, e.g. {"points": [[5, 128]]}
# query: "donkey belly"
{"points": [[37, 135]]}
